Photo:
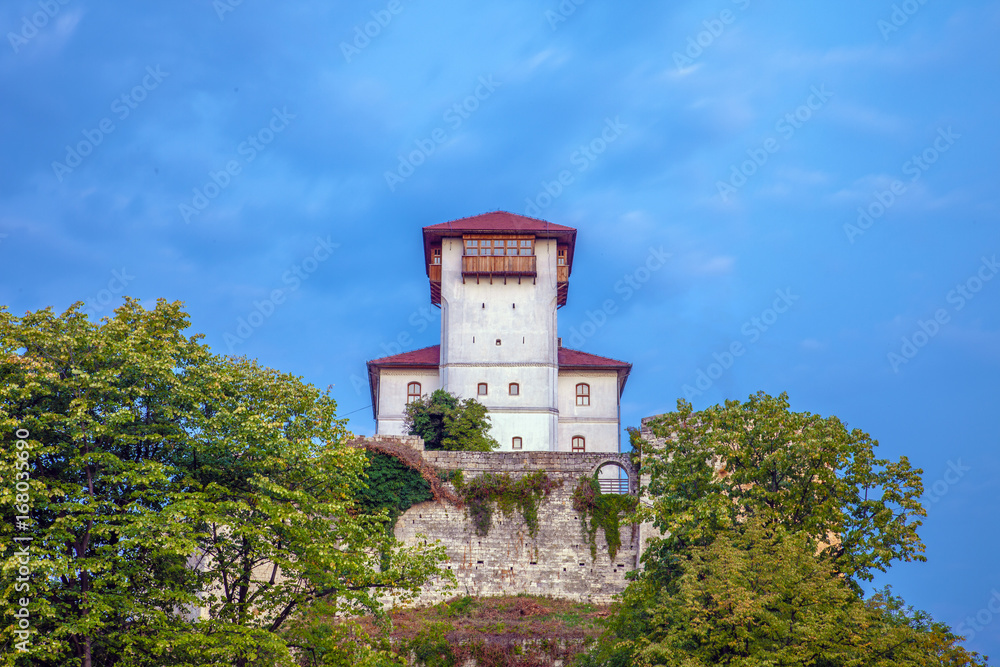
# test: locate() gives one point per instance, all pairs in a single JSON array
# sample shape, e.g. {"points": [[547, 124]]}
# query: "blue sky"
{"points": [[834, 162]]}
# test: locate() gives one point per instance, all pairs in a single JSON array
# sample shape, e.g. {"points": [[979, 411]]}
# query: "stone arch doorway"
{"points": [[613, 478]]}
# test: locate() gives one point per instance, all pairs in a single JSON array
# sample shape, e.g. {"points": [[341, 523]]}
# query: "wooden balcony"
{"points": [[434, 271], [499, 266]]}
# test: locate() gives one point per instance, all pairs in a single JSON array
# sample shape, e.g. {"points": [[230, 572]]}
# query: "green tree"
{"points": [[760, 596], [183, 506], [445, 422], [807, 473], [769, 520]]}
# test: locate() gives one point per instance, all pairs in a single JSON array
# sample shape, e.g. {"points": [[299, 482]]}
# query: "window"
{"points": [[436, 256], [579, 444], [561, 254], [499, 247], [583, 394], [515, 389], [515, 443], [412, 392], [482, 389]]}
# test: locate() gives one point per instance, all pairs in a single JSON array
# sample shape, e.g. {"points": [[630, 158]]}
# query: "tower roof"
{"points": [[498, 222]]}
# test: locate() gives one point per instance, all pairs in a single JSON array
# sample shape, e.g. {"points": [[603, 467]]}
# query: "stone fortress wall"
{"points": [[508, 561]]}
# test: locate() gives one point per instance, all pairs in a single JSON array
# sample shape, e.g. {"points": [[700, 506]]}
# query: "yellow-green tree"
{"points": [[183, 506]]}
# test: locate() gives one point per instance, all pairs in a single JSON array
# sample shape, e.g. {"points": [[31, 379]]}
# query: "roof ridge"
{"points": [[596, 356], [406, 354]]}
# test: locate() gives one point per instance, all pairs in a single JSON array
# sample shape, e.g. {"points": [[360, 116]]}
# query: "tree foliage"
{"points": [[183, 506], [807, 473], [446, 422], [761, 596], [769, 519]]}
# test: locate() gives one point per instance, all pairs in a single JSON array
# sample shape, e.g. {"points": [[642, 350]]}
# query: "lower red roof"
{"points": [[431, 357]]}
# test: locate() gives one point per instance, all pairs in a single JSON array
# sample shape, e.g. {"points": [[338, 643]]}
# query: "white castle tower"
{"points": [[499, 279]]}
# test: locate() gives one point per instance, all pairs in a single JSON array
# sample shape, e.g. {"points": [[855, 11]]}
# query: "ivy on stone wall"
{"points": [[604, 510], [507, 494], [392, 486]]}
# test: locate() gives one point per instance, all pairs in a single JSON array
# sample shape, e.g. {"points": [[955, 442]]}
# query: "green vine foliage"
{"points": [[393, 486], [507, 494], [604, 510]]}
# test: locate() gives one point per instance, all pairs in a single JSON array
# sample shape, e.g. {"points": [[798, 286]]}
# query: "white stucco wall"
{"points": [[597, 423], [521, 314], [392, 396]]}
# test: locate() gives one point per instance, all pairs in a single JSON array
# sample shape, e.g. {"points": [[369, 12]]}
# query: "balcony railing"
{"points": [[498, 266], [435, 272], [617, 486]]}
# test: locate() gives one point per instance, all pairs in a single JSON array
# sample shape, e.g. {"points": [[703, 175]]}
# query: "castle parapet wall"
{"points": [[557, 562]]}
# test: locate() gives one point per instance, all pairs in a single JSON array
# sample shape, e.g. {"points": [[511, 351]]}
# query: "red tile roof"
{"points": [[430, 357], [427, 356], [578, 359], [497, 221]]}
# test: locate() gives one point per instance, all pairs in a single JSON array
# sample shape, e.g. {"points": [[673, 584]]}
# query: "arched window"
{"points": [[579, 444], [515, 443], [515, 389], [412, 392], [583, 394], [483, 389]]}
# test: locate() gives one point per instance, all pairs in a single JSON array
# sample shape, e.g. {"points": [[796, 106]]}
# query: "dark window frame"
{"points": [[583, 397]]}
